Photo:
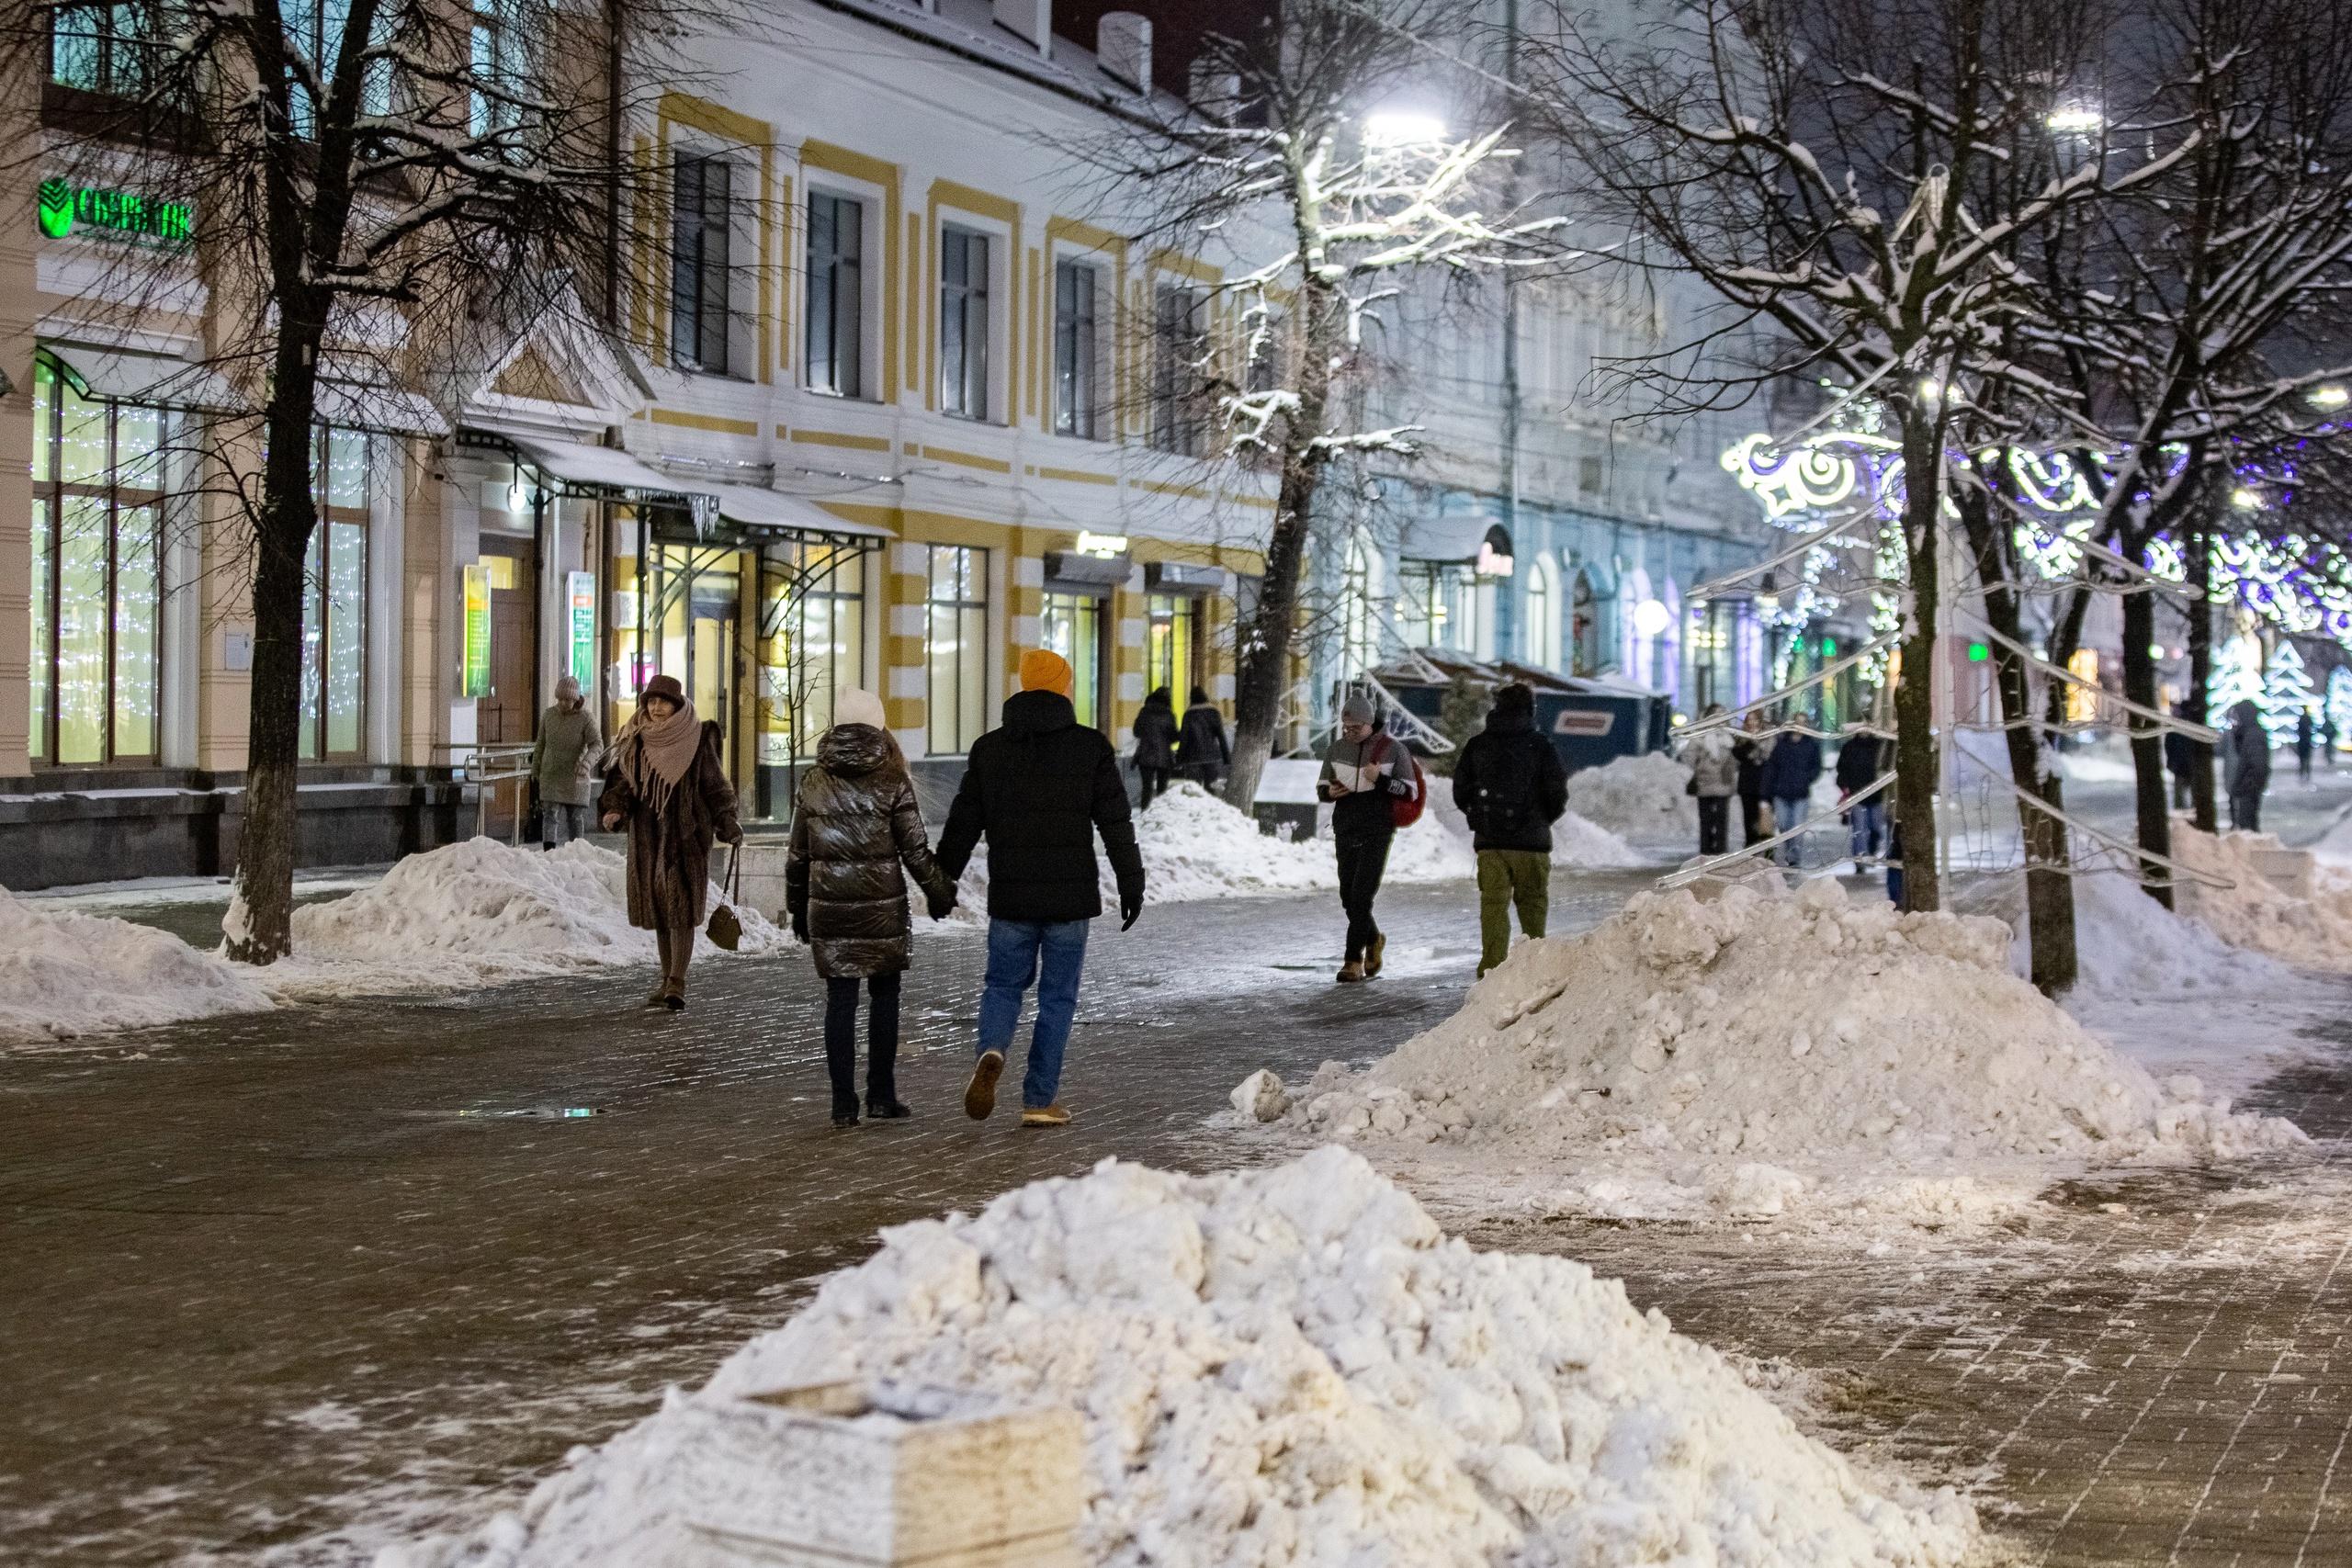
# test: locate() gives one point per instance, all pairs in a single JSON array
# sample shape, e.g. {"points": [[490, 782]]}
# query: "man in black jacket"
{"points": [[1511, 788], [1040, 787]]}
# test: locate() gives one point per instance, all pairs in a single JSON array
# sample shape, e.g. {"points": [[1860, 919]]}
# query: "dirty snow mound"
{"points": [[64, 974], [2311, 926], [1579, 840], [2126, 944], [1195, 846], [477, 913], [1638, 797], [1681, 1040], [1291, 1367]]}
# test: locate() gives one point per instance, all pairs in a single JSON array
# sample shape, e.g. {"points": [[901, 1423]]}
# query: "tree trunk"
{"points": [[1915, 753], [2200, 565], [1265, 651], [261, 926], [2147, 743], [2049, 890]]}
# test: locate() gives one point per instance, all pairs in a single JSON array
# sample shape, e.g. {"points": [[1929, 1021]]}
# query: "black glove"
{"points": [[1130, 906], [939, 904], [800, 928]]}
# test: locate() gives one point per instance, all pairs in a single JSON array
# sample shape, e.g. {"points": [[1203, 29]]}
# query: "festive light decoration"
{"points": [[2237, 676], [2287, 691]]}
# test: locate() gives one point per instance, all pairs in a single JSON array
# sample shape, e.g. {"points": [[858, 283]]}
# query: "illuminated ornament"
{"points": [[1808, 480], [2287, 691], [2237, 675]]}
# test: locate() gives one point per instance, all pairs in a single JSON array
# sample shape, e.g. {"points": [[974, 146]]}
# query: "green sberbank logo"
{"points": [[67, 208]]}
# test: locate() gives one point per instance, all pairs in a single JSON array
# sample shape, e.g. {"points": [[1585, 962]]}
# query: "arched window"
{"points": [[1584, 613], [1540, 640]]}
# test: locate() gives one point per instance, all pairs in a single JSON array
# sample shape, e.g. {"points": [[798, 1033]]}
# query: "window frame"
{"points": [[110, 44], [45, 561], [318, 716], [511, 62], [836, 316], [1077, 350], [1174, 421], [697, 305], [964, 389], [969, 611], [1088, 616]]}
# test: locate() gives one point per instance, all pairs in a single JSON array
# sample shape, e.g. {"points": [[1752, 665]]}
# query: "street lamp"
{"points": [[2331, 397], [2075, 121], [2245, 500], [1651, 618]]}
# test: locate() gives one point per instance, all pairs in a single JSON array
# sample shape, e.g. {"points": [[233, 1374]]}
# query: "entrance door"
{"points": [[1171, 655], [697, 608], [509, 715]]}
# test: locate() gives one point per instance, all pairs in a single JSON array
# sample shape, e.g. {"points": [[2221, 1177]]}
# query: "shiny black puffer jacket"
{"points": [[855, 826]]}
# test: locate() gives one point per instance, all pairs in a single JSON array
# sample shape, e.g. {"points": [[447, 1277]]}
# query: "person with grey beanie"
{"points": [[563, 765], [1364, 771]]}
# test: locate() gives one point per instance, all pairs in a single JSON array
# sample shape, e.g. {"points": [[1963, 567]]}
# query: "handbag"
{"points": [[725, 928]]}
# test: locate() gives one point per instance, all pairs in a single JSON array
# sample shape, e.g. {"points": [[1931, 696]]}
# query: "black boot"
{"points": [[882, 1103], [845, 1109]]}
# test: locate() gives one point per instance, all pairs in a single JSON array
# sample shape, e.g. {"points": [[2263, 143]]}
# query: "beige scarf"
{"points": [[656, 754]]}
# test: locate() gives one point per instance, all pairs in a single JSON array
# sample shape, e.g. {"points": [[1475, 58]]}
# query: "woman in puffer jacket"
{"points": [[854, 825]]}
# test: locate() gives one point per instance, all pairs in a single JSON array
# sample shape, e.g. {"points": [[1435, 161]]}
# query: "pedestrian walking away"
{"points": [[1155, 745], [1789, 774], [1364, 773], [2245, 766], [1204, 752], [1860, 761], [1511, 788], [854, 826], [1039, 788], [2305, 733], [2181, 756], [667, 786], [563, 765], [1715, 767], [1751, 751]]}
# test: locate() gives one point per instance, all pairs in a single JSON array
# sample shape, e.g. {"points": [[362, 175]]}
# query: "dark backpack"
{"points": [[1505, 805]]}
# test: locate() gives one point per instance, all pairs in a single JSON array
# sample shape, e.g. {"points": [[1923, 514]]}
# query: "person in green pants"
{"points": [[1511, 788]]}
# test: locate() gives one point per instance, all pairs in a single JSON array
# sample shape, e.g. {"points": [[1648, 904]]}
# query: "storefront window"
{"points": [[1174, 640], [96, 526], [692, 607], [1072, 626], [955, 648], [812, 638], [335, 606]]}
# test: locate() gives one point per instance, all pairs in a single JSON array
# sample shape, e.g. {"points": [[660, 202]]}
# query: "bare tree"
{"points": [[1310, 155], [368, 188], [1817, 164]]}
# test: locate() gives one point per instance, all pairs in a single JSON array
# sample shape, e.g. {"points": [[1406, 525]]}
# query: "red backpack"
{"points": [[1406, 809]]}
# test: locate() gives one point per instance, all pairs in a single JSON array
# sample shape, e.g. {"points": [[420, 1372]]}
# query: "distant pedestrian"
{"points": [[563, 765], [667, 784], [1860, 761], [2180, 760], [854, 826], [1364, 773], [1204, 752], [1511, 788], [1789, 774], [1751, 751], [1155, 745], [2327, 741], [1039, 787], [1713, 758], [2305, 733], [2245, 766]]}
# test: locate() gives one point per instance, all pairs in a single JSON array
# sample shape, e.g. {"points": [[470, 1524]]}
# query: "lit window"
{"points": [[812, 630], [955, 648], [335, 603], [1071, 625]]}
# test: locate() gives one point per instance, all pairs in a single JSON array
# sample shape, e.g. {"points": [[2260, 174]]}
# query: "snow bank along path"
{"points": [[64, 974], [1290, 1367], [1714, 1040], [2255, 912], [2128, 946], [1639, 798]]}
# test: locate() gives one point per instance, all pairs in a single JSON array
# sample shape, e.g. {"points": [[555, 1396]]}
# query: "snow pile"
{"points": [[1291, 1367], [2254, 912], [1684, 1040], [480, 913], [64, 974], [1197, 846], [2126, 944], [1640, 798], [1580, 841]]}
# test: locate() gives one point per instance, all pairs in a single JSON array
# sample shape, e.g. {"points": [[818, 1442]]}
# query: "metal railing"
{"points": [[487, 766]]}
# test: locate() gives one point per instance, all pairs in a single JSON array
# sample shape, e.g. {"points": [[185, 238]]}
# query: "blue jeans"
{"points": [[1868, 822], [1788, 811], [1018, 951]]}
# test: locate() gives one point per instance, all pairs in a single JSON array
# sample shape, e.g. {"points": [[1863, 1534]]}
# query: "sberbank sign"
{"points": [[67, 208]]}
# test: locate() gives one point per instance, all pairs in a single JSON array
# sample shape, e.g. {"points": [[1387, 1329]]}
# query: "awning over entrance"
{"points": [[390, 411], [605, 471], [765, 509], [115, 376]]}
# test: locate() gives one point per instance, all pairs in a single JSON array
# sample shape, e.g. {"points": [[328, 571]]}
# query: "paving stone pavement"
{"points": [[282, 1285]]}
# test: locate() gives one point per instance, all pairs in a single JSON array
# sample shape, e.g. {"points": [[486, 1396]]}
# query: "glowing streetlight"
{"points": [[1402, 128], [2075, 121], [2245, 500], [1651, 618], [2331, 397]]}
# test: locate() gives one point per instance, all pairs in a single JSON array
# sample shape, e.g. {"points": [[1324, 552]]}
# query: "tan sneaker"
{"points": [[1350, 972], [980, 1095], [1373, 955], [1045, 1115]]}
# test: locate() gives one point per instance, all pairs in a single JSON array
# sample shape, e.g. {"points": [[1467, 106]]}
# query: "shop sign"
{"points": [[1101, 543], [67, 208], [477, 641], [579, 592]]}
